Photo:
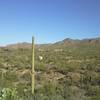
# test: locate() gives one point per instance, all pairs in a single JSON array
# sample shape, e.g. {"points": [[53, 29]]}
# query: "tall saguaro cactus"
{"points": [[33, 65]]}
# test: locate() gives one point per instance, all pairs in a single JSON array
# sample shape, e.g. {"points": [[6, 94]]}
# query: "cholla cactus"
{"points": [[32, 65]]}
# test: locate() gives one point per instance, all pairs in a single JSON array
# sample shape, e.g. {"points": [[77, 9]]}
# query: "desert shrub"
{"points": [[95, 98], [40, 66], [9, 94]]}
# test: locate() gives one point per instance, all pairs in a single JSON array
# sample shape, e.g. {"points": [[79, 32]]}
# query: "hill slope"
{"points": [[69, 69]]}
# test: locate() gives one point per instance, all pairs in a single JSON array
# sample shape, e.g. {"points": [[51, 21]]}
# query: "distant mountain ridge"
{"points": [[65, 42], [19, 45]]}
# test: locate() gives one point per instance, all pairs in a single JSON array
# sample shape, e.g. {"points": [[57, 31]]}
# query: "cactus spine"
{"points": [[33, 65]]}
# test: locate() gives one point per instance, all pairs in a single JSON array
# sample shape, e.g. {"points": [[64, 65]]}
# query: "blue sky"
{"points": [[48, 20]]}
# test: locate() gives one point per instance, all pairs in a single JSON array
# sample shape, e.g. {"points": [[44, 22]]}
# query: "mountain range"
{"points": [[65, 42]]}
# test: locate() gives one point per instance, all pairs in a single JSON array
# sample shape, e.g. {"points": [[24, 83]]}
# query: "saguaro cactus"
{"points": [[32, 65]]}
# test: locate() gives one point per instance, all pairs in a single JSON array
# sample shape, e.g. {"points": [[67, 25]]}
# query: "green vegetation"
{"points": [[67, 71], [9, 94]]}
